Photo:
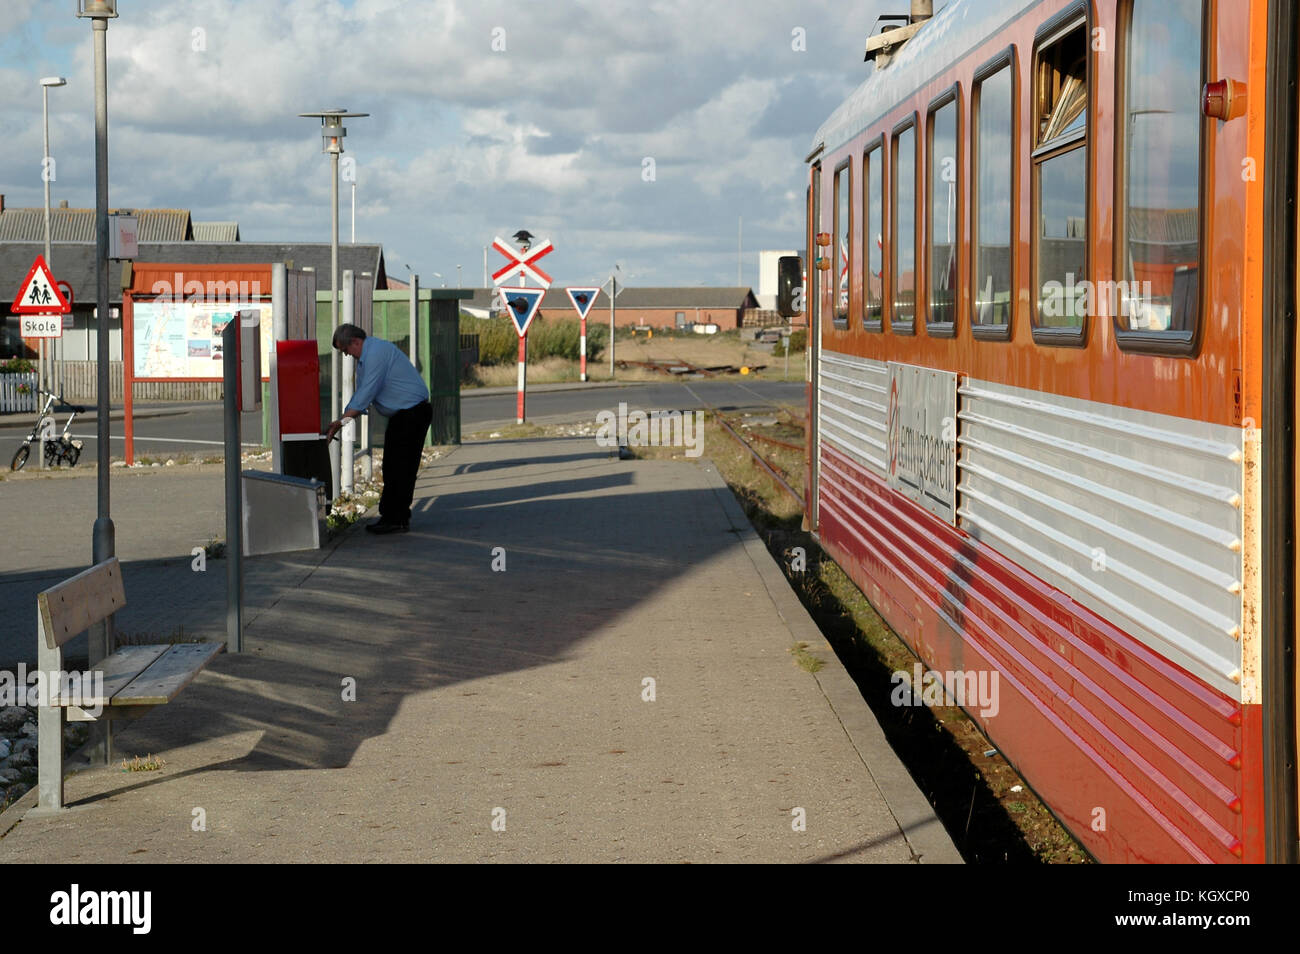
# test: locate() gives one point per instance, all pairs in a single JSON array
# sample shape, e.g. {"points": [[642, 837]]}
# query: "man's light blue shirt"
{"points": [[386, 378]]}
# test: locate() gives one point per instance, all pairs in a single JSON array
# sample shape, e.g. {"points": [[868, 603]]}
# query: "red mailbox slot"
{"points": [[298, 369]]}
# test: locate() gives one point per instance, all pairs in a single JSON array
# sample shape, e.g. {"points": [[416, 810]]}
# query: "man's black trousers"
{"points": [[403, 443]]}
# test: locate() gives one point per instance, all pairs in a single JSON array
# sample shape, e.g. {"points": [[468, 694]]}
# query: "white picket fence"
{"points": [[18, 393]]}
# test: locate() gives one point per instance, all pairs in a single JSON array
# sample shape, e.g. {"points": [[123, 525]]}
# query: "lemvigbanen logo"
{"points": [[921, 455]]}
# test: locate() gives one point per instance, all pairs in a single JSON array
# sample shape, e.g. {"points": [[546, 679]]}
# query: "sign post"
{"points": [[41, 305], [521, 303], [583, 299]]}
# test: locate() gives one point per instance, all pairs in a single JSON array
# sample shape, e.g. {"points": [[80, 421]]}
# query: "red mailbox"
{"points": [[298, 370]]}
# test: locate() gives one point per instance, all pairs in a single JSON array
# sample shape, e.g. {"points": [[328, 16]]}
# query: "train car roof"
{"points": [[950, 34]]}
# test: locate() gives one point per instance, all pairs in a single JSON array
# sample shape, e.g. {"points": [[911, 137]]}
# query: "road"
{"points": [[196, 429]]}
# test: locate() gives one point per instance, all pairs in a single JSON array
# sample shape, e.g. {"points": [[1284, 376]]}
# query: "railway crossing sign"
{"points": [[521, 304], [583, 299], [39, 293], [522, 263]]}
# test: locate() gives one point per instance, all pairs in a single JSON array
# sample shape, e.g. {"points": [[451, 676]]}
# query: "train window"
{"points": [[840, 257], [992, 147], [902, 246], [944, 199], [1160, 180], [873, 270], [1060, 182]]}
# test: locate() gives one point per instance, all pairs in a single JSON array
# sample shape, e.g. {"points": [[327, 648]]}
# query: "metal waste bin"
{"points": [[281, 513]]}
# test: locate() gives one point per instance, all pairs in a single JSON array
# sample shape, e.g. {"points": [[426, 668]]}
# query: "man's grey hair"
{"points": [[345, 334]]}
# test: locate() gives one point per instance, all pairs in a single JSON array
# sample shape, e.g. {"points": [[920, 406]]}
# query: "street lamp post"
{"points": [[99, 12], [332, 133], [48, 363]]}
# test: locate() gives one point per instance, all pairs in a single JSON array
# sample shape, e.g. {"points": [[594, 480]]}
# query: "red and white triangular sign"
{"points": [[39, 293]]}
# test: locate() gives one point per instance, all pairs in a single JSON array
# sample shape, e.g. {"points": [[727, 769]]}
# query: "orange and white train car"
{"points": [[1052, 397]]}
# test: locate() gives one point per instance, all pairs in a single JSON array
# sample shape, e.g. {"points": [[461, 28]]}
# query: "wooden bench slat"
{"points": [[122, 667], [76, 604], [167, 675]]}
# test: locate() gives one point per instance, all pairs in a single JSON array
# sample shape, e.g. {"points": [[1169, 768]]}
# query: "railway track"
{"points": [[731, 429]]}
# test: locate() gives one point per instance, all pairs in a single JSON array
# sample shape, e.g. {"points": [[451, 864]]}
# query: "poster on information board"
{"points": [[182, 339]]}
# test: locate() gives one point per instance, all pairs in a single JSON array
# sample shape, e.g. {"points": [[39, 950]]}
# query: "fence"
{"points": [[81, 379], [18, 393], [468, 350]]}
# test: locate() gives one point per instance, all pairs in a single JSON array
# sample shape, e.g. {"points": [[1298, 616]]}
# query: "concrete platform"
{"points": [[515, 697]]}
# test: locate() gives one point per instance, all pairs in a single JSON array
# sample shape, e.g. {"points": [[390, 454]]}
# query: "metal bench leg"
{"points": [[99, 743], [49, 723]]}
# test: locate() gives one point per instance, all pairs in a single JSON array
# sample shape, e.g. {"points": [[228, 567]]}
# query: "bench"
{"points": [[124, 685]]}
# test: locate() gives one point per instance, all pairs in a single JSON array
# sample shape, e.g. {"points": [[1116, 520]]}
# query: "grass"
{"points": [[147, 638], [804, 659], [724, 348], [150, 763]]}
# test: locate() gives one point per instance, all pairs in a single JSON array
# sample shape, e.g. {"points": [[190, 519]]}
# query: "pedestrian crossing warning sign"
{"points": [[39, 293]]}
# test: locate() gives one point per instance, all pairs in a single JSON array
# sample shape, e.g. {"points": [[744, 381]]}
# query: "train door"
{"points": [[813, 302]]}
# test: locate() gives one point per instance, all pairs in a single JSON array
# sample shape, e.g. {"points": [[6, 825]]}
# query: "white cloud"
{"points": [[461, 141]]}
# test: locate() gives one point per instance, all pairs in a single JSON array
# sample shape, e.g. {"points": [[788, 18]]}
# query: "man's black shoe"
{"points": [[382, 526]]}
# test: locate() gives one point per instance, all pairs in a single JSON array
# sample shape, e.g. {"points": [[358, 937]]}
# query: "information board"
{"points": [[182, 339]]}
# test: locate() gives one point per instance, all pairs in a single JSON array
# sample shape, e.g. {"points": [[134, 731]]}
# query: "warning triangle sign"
{"points": [[583, 299], [521, 304], [39, 294]]}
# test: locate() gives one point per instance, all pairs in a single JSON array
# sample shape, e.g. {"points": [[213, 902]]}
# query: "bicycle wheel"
{"points": [[20, 457], [72, 454]]}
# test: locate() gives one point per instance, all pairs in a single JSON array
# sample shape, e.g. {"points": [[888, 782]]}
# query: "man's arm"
{"points": [[373, 370], [368, 383], [336, 426]]}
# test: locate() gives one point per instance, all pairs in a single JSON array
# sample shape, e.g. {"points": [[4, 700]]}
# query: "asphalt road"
{"points": [[196, 429]]}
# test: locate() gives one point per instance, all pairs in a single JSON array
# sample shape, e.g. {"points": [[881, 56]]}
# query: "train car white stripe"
{"points": [[1133, 514]]}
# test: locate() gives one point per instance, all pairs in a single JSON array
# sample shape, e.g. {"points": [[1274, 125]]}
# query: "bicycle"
{"points": [[64, 449]]}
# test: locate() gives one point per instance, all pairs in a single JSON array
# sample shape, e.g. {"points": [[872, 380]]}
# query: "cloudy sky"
{"points": [[485, 117]]}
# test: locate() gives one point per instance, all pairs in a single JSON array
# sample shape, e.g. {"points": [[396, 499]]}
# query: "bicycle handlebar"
{"points": [[63, 404]]}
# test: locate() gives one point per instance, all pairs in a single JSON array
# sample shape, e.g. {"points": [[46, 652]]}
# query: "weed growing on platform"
{"points": [[804, 659], [147, 638], [150, 763]]}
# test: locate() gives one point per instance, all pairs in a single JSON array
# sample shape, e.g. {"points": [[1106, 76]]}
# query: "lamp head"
{"points": [[332, 131], [97, 9]]}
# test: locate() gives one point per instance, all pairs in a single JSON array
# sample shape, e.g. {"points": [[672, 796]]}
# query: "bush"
{"points": [[798, 342], [17, 366], [547, 338]]}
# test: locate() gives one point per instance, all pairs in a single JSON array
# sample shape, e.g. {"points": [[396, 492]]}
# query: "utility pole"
{"points": [[740, 244]]}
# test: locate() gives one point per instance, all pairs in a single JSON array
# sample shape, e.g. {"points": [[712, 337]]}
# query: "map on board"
{"points": [[183, 339]]}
